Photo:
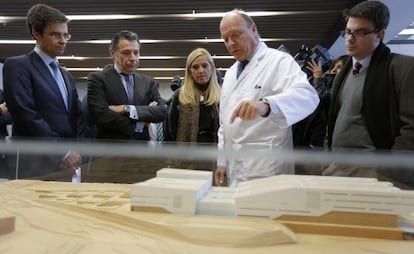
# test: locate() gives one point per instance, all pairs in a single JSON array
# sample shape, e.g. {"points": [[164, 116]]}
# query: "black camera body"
{"points": [[176, 83], [318, 54]]}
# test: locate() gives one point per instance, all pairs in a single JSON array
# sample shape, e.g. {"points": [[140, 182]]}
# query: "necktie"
{"points": [[59, 82], [130, 87], [241, 66], [160, 132], [357, 68]]}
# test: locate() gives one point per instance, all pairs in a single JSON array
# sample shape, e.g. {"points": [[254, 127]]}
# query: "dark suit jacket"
{"points": [[35, 103], [389, 82], [5, 118], [38, 110], [105, 88]]}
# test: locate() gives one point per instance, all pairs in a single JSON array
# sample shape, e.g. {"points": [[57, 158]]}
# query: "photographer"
{"points": [[311, 131], [323, 82]]}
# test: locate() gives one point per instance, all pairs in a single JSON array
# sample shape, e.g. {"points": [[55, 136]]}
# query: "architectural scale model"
{"points": [[318, 195], [172, 190], [272, 196], [364, 202]]}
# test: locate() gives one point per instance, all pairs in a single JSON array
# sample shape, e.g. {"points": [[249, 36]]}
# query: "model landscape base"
{"points": [[359, 207], [88, 218], [379, 226], [73, 213], [7, 224]]}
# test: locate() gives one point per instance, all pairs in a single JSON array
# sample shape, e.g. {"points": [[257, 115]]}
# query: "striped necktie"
{"points": [[160, 132], [357, 68]]}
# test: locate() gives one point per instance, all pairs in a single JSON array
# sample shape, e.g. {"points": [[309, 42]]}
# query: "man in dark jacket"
{"points": [[41, 96], [372, 99], [121, 102], [5, 118]]}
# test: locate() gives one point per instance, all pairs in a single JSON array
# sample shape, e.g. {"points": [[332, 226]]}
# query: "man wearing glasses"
{"points": [[372, 99], [41, 96]]}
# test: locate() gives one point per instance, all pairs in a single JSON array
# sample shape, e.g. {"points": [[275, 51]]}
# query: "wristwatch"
{"points": [[127, 109], [268, 105]]}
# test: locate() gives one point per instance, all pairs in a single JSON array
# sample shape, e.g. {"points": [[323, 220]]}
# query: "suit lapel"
{"points": [[68, 86], [44, 71], [115, 80], [141, 89], [137, 92]]}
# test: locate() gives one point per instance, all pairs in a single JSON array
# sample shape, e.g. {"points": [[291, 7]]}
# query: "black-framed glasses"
{"points": [[357, 33], [57, 36]]}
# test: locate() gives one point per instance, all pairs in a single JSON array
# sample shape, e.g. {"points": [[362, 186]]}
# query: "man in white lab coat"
{"points": [[258, 103]]}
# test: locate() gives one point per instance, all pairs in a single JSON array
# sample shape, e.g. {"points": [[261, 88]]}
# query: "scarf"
{"points": [[187, 129]]}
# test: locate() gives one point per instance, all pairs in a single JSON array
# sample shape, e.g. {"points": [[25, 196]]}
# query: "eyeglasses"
{"points": [[57, 36], [357, 33]]}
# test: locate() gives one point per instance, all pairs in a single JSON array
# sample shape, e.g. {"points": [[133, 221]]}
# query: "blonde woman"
{"points": [[193, 114]]}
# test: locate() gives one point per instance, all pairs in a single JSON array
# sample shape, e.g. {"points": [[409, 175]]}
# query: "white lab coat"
{"points": [[276, 77]]}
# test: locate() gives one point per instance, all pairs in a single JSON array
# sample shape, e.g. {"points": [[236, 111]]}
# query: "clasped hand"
{"points": [[72, 161]]}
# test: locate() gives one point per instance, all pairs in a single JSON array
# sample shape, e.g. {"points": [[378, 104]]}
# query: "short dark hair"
{"points": [[342, 58], [39, 15], [124, 34], [375, 11]]}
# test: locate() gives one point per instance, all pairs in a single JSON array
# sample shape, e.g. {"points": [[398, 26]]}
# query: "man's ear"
{"points": [[381, 34], [35, 34]]}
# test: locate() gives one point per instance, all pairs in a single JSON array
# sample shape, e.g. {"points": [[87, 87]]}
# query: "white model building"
{"points": [[174, 190], [190, 192], [317, 195]]}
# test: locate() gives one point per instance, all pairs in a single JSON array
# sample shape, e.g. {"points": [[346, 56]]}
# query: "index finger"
{"points": [[235, 114]]}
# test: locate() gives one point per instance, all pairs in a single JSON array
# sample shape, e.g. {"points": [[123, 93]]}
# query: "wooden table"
{"points": [[57, 217]]}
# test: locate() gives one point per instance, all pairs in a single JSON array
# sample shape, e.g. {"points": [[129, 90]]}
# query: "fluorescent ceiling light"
{"points": [[81, 58], [142, 69], [193, 15], [17, 41], [407, 31], [205, 40], [101, 17], [11, 18]]}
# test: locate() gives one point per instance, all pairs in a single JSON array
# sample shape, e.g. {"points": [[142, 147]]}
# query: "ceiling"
{"points": [[165, 32]]}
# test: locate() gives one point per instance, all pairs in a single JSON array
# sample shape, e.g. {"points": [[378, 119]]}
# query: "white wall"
{"points": [[405, 49]]}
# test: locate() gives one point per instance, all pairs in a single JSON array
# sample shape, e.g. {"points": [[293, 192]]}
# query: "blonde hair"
{"points": [[189, 94]]}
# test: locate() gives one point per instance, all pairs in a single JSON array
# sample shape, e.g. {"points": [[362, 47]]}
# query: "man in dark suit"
{"points": [[122, 102], [41, 96], [5, 118], [372, 97]]}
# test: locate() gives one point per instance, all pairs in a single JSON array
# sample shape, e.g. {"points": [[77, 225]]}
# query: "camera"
{"points": [[176, 83], [318, 54]]}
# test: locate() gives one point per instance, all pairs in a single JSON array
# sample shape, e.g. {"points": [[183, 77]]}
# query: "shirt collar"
{"points": [[259, 45], [117, 69], [365, 62], [45, 58]]}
